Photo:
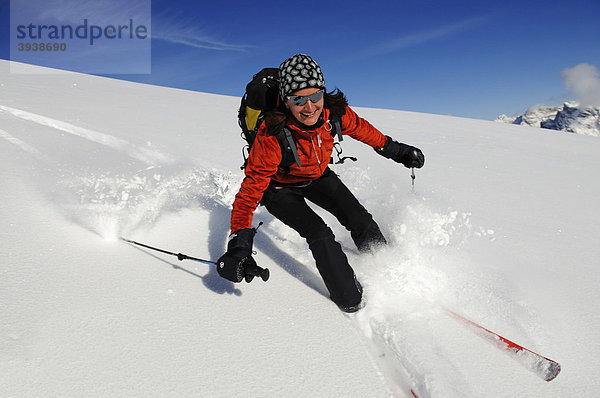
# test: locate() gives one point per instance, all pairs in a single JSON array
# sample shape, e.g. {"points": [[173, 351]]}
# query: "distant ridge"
{"points": [[571, 118]]}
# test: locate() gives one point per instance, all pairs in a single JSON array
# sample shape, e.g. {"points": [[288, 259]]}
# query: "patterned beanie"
{"points": [[298, 72]]}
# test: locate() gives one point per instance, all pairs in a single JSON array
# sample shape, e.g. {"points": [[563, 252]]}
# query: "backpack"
{"points": [[262, 96]]}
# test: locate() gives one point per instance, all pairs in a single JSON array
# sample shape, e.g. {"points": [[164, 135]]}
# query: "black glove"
{"points": [[237, 262], [408, 155]]}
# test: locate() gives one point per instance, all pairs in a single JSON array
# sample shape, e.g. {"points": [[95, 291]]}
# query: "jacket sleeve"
{"points": [[263, 162], [358, 128]]}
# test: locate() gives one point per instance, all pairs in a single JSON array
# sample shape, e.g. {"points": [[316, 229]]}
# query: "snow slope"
{"points": [[501, 227]]}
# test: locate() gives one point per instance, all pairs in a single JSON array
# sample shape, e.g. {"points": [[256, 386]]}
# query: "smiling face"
{"points": [[308, 113]]}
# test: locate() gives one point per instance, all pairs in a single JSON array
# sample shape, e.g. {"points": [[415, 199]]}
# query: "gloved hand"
{"points": [[237, 262], [408, 155]]}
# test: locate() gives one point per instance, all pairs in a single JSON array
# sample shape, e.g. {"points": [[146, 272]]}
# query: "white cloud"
{"points": [[425, 36], [173, 27], [100, 12], [197, 40], [584, 81], [183, 30]]}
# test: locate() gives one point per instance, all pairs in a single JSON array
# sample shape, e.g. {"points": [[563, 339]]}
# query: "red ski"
{"points": [[544, 367]]}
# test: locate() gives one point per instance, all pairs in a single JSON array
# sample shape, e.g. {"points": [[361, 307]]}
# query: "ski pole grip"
{"points": [[255, 270]]}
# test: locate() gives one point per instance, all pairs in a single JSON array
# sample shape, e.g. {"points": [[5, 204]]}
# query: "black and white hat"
{"points": [[298, 72]]}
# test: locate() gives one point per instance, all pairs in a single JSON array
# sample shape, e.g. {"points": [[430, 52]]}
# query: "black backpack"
{"points": [[262, 96]]}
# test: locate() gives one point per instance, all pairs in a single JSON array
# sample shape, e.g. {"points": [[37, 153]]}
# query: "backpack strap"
{"points": [[336, 126], [336, 131], [291, 144], [289, 151]]}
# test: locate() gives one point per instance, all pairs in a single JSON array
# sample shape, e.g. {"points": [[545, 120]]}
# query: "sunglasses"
{"points": [[300, 100]]}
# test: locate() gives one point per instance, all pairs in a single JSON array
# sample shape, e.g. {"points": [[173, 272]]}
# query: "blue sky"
{"points": [[466, 58]]}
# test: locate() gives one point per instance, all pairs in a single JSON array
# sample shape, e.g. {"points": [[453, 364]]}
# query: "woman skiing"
{"points": [[306, 112]]}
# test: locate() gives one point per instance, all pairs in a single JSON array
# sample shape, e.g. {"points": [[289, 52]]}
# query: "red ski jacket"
{"points": [[314, 150]]}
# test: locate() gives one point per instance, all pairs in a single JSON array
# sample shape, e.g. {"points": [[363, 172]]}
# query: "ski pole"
{"points": [[179, 256], [263, 273], [414, 154]]}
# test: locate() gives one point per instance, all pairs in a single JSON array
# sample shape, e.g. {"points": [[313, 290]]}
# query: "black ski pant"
{"points": [[328, 192]]}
